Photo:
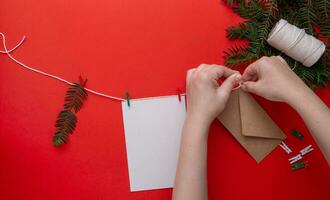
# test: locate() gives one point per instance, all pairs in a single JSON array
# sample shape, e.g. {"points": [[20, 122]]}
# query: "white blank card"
{"points": [[152, 133]]}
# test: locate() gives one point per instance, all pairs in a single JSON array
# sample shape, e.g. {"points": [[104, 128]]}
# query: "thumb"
{"points": [[250, 86], [229, 83]]}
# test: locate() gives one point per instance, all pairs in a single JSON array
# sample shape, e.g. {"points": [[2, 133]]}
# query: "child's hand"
{"points": [[272, 78], [206, 99]]}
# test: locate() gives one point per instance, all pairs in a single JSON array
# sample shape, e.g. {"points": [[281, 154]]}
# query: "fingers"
{"points": [[212, 72], [251, 73], [228, 84], [250, 86], [280, 61], [190, 72], [216, 71]]}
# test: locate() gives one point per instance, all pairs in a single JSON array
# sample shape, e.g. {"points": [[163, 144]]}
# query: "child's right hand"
{"points": [[272, 78]]}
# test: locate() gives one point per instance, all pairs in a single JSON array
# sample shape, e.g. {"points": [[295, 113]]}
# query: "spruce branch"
{"points": [[74, 98], [65, 125], [250, 10], [238, 55], [325, 29], [233, 2], [229, 2], [323, 8], [307, 17], [239, 31], [66, 119]]}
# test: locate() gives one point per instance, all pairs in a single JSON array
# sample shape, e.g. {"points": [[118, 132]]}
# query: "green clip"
{"points": [[297, 166], [128, 99], [297, 134]]}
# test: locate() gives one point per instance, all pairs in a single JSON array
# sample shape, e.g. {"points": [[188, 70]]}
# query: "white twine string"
{"points": [[13, 49], [296, 43], [7, 52]]}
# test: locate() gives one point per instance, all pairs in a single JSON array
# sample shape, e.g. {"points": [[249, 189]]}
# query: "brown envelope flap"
{"points": [[255, 121], [230, 117], [258, 148]]}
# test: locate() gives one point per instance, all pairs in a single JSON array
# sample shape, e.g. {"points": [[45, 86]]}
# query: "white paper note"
{"points": [[152, 133]]}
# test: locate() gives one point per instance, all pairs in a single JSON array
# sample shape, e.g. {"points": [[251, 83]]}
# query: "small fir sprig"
{"points": [[66, 120]]}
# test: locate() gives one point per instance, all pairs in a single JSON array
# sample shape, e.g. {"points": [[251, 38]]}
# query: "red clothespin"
{"points": [[128, 99], [179, 92]]}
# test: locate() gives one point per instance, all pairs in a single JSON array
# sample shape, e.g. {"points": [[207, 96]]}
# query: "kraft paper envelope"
{"points": [[250, 125]]}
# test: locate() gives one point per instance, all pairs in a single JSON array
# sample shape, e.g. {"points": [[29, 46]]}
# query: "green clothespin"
{"points": [[128, 99], [297, 134], [299, 165]]}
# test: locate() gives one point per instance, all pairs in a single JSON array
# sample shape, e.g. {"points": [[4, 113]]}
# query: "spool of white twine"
{"points": [[296, 43]]}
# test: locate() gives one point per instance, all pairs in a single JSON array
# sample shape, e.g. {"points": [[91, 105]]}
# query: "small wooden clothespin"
{"points": [[285, 148], [299, 165], [128, 100], [179, 94], [295, 159], [297, 134], [306, 150]]}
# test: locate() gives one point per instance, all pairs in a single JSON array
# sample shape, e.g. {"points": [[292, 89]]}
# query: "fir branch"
{"points": [[263, 31], [238, 55], [270, 51], [65, 125], [239, 31], [252, 32], [323, 8], [325, 29], [326, 56], [74, 98], [270, 6], [251, 10], [314, 76], [229, 2], [288, 11], [307, 16], [66, 119], [265, 14], [233, 2]]}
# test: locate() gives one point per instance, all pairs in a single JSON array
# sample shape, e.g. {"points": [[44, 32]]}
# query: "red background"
{"points": [[144, 47]]}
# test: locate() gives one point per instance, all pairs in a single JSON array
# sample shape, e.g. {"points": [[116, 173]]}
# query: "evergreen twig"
{"points": [[66, 119]]}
